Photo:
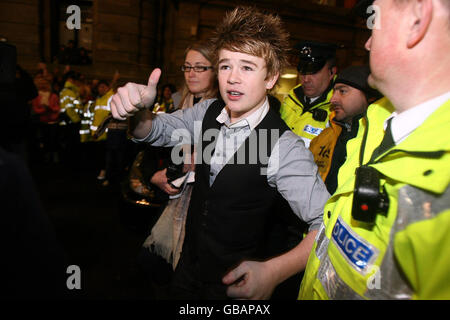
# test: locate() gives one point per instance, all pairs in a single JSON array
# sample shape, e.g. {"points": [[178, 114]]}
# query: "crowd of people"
{"points": [[338, 192], [61, 118]]}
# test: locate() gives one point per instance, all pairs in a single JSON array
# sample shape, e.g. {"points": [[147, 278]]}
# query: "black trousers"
{"points": [[116, 144], [188, 285]]}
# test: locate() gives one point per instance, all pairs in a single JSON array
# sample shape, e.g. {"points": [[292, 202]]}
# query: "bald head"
{"points": [[409, 53]]}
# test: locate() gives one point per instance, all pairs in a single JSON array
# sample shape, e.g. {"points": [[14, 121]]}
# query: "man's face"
{"points": [[347, 102], [242, 82], [102, 89], [384, 44], [315, 84], [167, 94]]}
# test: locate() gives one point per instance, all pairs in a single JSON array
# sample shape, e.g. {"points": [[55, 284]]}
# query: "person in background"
{"points": [[165, 102], [16, 102], [200, 84], [34, 263], [351, 97], [46, 105], [101, 111], [306, 108], [70, 120]]}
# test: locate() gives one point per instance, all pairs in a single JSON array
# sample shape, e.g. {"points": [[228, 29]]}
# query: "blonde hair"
{"points": [[206, 50], [247, 30]]}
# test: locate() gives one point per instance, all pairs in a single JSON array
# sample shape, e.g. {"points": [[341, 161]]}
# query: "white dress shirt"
{"points": [[403, 124]]}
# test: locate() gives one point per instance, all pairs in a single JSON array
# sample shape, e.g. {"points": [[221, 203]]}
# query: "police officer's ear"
{"points": [[420, 19], [332, 71]]}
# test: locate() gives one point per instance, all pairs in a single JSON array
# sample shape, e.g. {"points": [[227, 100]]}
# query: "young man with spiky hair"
{"points": [[233, 209]]}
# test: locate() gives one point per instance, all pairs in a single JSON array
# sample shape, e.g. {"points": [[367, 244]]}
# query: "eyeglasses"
{"points": [[196, 68]]}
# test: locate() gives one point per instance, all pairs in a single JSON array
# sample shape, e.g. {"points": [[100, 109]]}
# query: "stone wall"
{"points": [[134, 36]]}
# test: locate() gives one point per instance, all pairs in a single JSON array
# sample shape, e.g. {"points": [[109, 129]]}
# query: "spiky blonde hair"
{"points": [[248, 30]]}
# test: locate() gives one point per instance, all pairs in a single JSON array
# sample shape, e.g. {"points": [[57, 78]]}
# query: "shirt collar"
{"points": [[403, 124], [252, 120], [314, 99]]}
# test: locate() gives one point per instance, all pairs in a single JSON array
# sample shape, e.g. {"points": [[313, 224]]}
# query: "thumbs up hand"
{"points": [[133, 97]]}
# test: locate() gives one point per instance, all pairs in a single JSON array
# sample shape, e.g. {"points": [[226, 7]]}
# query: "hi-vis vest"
{"points": [[300, 122], [322, 147], [405, 253], [165, 106], [70, 102], [101, 111], [86, 121]]}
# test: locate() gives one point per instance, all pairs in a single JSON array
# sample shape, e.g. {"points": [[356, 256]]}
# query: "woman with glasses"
{"points": [[200, 84], [199, 75]]}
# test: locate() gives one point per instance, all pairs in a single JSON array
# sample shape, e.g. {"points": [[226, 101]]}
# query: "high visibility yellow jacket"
{"points": [[164, 106], [70, 102], [322, 147], [101, 111], [86, 121], [301, 122], [405, 253]]}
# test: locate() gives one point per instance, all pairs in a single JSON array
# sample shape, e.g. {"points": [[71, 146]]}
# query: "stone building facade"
{"points": [[134, 36]]}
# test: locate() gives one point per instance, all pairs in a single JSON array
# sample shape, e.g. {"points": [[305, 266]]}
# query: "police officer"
{"points": [[306, 109], [386, 230], [70, 99], [70, 120]]}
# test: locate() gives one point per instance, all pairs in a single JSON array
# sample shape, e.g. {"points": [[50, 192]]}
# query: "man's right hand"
{"points": [[134, 97]]}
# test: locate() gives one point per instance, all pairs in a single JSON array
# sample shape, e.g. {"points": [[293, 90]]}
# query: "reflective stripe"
{"points": [[102, 108], [321, 242], [69, 105], [62, 110], [85, 122], [414, 205], [333, 285], [85, 132], [65, 98], [94, 128], [108, 103]]}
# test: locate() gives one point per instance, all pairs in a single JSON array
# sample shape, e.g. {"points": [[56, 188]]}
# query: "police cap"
{"points": [[314, 55]]}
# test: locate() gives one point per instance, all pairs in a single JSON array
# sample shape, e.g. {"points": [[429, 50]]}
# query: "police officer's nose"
{"points": [[307, 78], [368, 43]]}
